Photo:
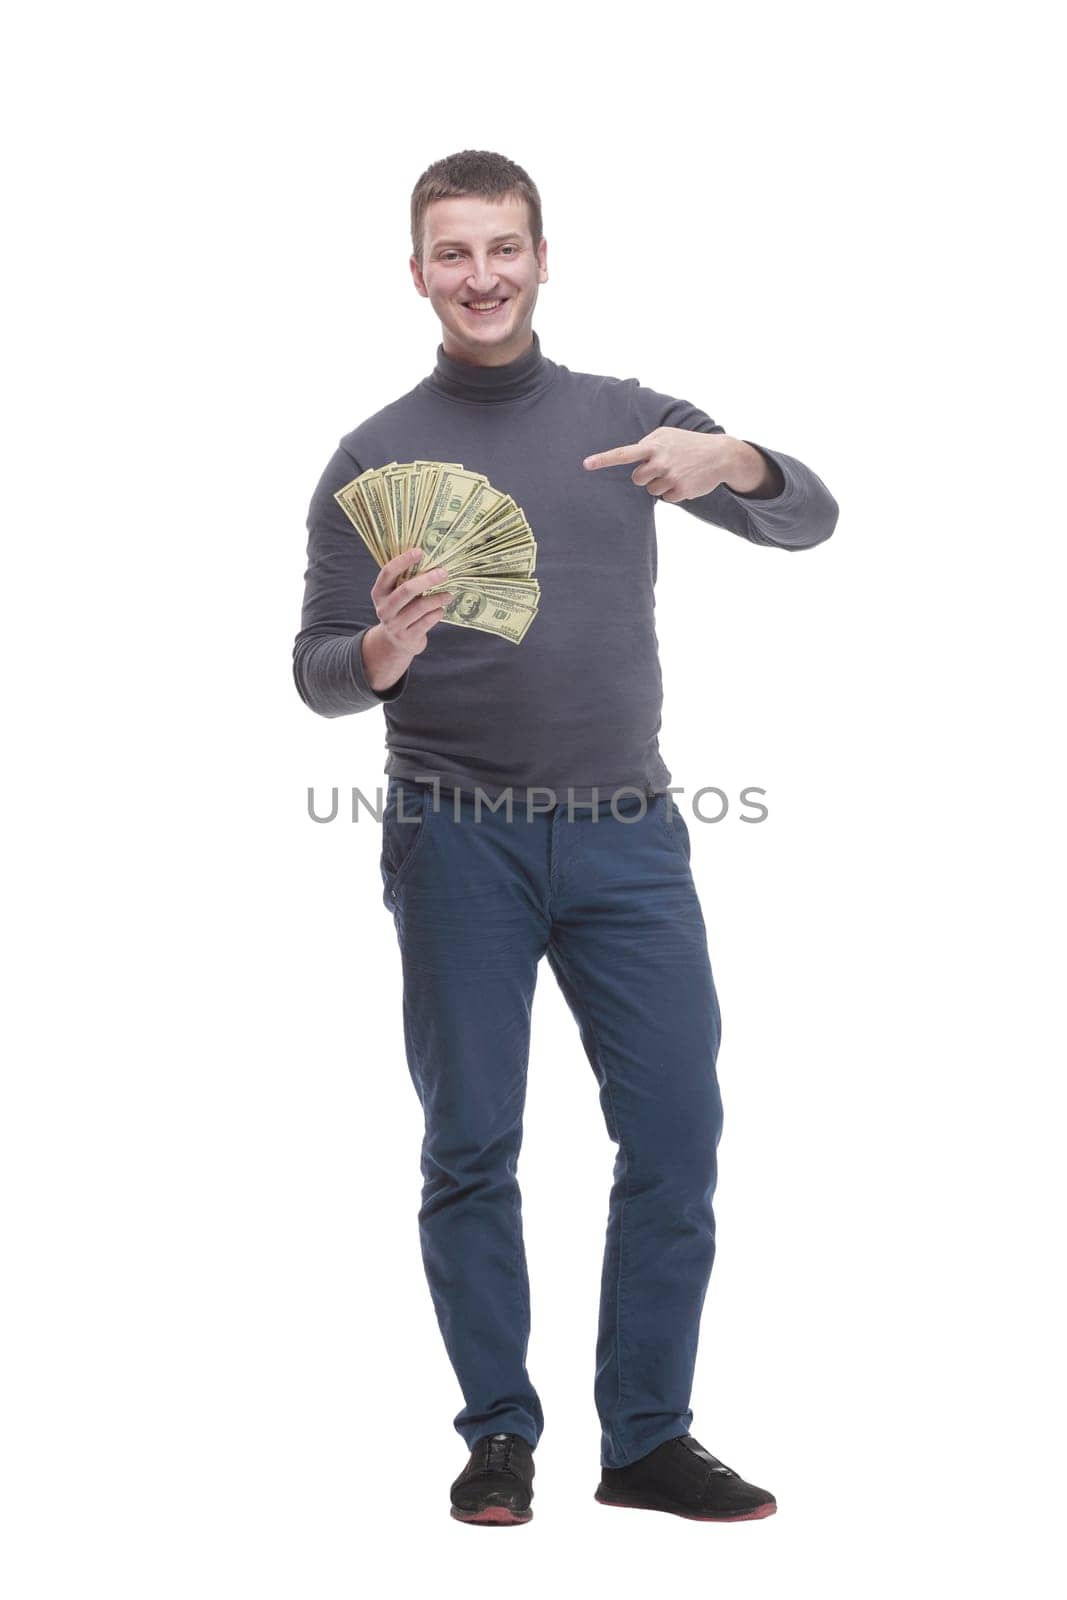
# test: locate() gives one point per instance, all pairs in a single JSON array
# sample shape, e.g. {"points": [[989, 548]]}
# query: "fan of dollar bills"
{"points": [[460, 522]]}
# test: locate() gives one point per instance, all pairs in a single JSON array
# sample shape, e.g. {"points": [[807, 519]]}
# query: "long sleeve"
{"points": [[337, 612], [803, 513]]}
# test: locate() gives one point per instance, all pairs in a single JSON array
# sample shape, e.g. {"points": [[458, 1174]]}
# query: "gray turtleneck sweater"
{"points": [[577, 704]]}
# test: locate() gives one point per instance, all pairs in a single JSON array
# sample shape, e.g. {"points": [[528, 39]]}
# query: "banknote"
{"points": [[459, 521]]}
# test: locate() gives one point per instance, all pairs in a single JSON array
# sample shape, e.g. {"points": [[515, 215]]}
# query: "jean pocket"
{"points": [[404, 826], [674, 825]]}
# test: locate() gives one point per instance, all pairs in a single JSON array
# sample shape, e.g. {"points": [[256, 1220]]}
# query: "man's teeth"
{"points": [[483, 305]]}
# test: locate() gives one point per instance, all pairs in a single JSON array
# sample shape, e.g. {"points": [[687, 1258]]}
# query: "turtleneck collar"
{"points": [[527, 375]]}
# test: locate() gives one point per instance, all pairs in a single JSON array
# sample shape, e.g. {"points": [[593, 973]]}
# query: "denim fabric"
{"points": [[613, 906]]}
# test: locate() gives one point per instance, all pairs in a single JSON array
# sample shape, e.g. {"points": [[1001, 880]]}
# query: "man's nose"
{"points": [[482, 276]]}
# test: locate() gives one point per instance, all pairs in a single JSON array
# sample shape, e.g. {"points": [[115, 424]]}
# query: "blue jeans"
{"points": [[611, 901]]}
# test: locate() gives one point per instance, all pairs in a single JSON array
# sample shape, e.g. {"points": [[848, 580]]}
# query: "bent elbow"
{"points": [[828, 520], [821, 523]]}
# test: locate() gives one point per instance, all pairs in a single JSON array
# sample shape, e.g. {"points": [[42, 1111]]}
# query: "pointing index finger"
{"points": [[617, 457]]}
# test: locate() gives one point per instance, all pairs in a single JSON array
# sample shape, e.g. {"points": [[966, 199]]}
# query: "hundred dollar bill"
{"points": [[474, 608]]}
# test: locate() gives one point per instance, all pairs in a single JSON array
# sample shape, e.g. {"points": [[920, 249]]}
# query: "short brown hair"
{"points": [[472, 172]]}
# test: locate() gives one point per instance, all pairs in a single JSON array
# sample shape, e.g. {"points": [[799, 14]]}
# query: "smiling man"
{"points": [[527, 815]]}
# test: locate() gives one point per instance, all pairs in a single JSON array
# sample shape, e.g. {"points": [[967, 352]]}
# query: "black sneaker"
{"points": [[496, 1485], [682, 1477]]}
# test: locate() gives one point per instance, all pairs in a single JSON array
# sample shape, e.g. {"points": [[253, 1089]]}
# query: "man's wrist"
{"points": [[752, 474], [383, 664]]}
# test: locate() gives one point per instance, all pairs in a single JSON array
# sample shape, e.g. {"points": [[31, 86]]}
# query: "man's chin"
{"points": [[477, 342], [491, 333]]}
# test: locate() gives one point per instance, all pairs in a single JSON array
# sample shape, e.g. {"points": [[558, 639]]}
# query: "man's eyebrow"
{"points": [[438, 243]]}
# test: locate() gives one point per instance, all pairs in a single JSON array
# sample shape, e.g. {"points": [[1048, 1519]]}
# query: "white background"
{"points": [[833, 229]]}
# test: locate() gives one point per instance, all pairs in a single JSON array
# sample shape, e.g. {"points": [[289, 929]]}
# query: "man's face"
{"points": [[477, 250]]}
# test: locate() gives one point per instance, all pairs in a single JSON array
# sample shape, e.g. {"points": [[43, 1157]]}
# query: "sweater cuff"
{"points": [[802, 514]]}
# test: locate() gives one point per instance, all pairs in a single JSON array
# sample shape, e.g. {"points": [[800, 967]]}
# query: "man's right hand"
{"points": [[405, 618]]}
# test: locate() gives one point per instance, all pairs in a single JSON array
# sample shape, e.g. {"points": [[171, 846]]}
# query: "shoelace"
{"points": [[498, 1452], [706, 1455]]}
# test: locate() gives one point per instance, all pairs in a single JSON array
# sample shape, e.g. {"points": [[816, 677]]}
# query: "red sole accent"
{"points": [[491, 1514], [692, 1516]]}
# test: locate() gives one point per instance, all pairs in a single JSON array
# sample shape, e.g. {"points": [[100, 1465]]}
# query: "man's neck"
{"points": [[524, 375]]}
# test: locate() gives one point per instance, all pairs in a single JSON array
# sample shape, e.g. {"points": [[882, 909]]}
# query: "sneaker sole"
{"points": [[492, 1516], [767, 1510]]}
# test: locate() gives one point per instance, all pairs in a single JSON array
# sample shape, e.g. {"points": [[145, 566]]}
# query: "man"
{"points": [[527, 814]]}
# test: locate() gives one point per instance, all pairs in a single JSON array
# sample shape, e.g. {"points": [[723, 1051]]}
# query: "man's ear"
{"points": [[420, 283], [542, 261]]}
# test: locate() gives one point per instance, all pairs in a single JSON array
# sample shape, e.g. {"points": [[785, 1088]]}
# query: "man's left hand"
{"points": [[680, 464]]}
